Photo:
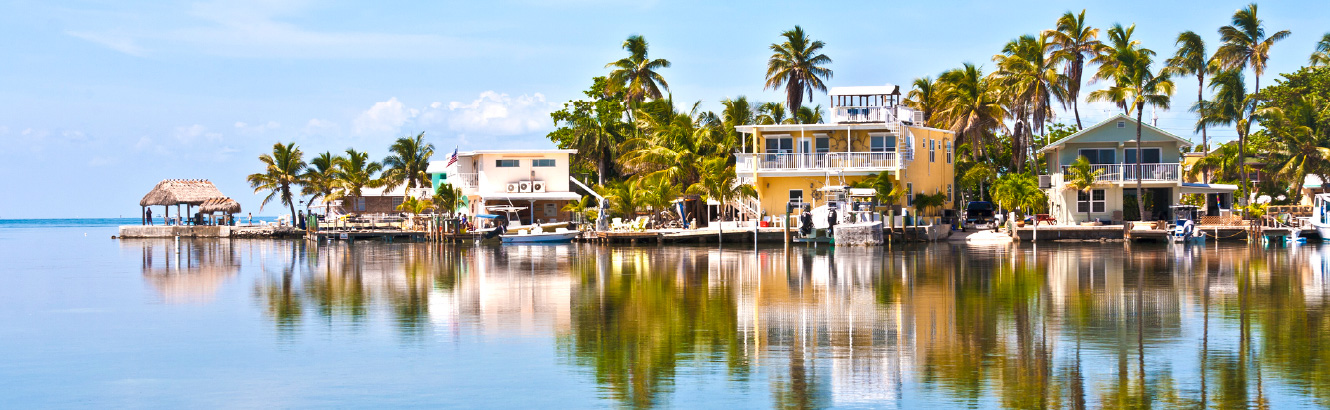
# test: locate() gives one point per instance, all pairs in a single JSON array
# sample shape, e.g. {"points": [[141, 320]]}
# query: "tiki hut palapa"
{"points": [[188, 192]]}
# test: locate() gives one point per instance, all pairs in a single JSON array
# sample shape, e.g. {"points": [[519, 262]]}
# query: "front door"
{"points": [[805, 152]]}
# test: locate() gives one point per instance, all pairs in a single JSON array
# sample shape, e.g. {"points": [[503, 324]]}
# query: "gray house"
{"points": [[1110, 147]]}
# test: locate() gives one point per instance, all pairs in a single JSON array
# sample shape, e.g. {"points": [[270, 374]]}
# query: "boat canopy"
{"points": [[863, 192], [487, 216]]}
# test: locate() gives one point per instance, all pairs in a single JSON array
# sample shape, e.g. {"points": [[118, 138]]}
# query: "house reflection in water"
{"points": [[1084, 325]]}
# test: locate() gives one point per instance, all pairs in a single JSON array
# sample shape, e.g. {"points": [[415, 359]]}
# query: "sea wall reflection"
{"points": [[1073, 326]]}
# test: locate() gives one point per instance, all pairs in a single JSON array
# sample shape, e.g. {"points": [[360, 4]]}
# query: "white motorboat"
{"points": [[1183, 229], [1320, 219], [560, 235]]}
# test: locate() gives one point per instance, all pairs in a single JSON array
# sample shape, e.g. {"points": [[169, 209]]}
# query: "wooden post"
{"points": [[786, 224]]}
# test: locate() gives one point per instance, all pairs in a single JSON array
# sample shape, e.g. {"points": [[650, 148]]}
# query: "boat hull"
{"points": [[555, 237]]}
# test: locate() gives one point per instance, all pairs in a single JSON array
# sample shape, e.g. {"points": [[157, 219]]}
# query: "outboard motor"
{"points": [[806, 222]]}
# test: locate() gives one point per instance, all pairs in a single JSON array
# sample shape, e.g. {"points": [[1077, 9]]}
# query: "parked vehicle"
{"points": [[979, 215]]}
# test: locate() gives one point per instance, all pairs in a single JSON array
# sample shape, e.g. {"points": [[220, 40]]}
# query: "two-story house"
{"points": [[870, 133], [1110, 147], [536, 180]]}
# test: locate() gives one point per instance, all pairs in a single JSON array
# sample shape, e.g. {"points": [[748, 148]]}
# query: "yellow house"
{"points": [[870, 133]]}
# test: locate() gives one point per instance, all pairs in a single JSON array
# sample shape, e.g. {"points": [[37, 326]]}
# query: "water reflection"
{"points": [[1076, 326]]}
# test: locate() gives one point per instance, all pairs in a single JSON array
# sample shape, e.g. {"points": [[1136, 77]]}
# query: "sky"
{"points": [[100, 100]]}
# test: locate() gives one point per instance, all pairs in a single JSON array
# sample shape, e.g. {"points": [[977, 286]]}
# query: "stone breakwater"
{"points": [[256, 232], [859, 234]]}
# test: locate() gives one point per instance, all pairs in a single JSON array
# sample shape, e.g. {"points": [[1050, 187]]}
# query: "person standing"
{"points": [[148, 212]]}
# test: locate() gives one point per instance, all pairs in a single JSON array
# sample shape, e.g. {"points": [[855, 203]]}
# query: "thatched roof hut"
{"points": [[223, 205], [181, 191]]}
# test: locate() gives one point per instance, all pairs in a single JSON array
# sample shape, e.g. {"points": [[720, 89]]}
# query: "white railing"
{"points": [[470, 180], [863, 114], [812, 161], [1127, 172]]}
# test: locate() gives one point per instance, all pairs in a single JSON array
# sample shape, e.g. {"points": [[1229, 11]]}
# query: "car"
{"points": [[979, 215]]}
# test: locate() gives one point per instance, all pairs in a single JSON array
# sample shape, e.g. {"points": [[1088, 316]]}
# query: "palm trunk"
{"points": [[286, 191], [1140, 194], [1205, 141]]}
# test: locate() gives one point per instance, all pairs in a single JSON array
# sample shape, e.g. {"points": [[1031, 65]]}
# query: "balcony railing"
{"points": [[817, 161], [464, 180], [1127, 172], [863, 114]]}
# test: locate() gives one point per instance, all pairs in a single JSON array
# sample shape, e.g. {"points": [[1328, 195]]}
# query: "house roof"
{"points": [[224, 205], [181, 191], [1111, 120]]}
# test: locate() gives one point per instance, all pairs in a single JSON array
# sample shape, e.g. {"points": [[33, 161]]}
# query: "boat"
{"points": [[560, 235], [1183, 228], [1320, 219]]}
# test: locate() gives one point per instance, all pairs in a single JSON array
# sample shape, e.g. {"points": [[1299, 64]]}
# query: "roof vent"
{"points": [[1122, 124]]}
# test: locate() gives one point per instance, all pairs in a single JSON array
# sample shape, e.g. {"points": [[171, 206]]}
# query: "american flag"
{"points": [[453, 159]]}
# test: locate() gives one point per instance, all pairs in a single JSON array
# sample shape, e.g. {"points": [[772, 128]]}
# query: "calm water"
{"points": [[87, 321]]}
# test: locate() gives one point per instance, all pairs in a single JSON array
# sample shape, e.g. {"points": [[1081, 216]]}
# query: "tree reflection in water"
{"points": [[1053, 326]]}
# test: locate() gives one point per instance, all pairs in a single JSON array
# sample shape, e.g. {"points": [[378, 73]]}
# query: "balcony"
{"points": [[843, 161], [1127, 172], [464, 181]]}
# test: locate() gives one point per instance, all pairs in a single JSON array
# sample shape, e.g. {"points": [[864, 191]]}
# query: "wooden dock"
{"points": [[386, 235]]}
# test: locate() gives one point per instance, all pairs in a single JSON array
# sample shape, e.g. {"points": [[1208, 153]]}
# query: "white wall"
{"points": [[493, 179]]}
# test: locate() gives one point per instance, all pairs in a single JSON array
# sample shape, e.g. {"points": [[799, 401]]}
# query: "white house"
{"points": [[537, 180], [1110, 147]]}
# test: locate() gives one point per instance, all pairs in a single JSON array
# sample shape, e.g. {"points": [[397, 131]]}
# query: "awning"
{"points": [[1196, 188], [531, 196]]}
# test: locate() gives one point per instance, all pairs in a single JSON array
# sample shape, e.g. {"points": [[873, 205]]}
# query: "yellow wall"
{"points": [[858, 141], [931, 176]]}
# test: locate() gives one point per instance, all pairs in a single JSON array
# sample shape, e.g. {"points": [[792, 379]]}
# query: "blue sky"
{"points": [[99, 100]]}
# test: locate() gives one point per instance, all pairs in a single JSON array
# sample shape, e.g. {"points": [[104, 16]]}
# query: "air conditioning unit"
{"points": [[524, 186], [512, 187], [537, 186], [1045, 181]]}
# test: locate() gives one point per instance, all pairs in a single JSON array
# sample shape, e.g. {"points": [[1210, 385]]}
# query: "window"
{"points": [[909, 194], [551, 210], [1151, 156], [397, 202], [506, 163], [779, 145], [360, 204], [796, 196], [932, 148], [949, 193], [1122, 124], [1100, 155], [823, 144], [948, 142], [542, 163], [881, 143], [1092, 202]]}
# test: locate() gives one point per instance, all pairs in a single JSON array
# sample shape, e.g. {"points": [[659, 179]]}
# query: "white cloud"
{"points": [[144, 143], [114, 41], [491, 114], [194, 132], [249, 129]]}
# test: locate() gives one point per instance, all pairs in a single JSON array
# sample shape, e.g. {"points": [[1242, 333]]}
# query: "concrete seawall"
{"points": [[185, 231]]}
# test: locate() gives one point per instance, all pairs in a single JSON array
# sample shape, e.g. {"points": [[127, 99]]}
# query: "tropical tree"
{"points": [[887, 189], [1083, 177], [925, 97], [973, 106], [675, 144], [1301, 137], [636, 75], [586, 207], [355, 172], [1192, 60], [282, 170], [1222, 162], [447, 198], [736, 112], [415, 206], [809, 115], [1135, 86], [1230, 106], [407, 163], [658, 193], [320, 178], [1321, 57], [770, 113], [1031, 83], [1073, 42], [798, 66], [593, 127], [1246, 44], [1019, 191], [719, 183], [1109, 59]]}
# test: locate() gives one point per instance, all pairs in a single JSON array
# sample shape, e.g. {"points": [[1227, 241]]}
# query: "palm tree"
{"points": [[1082, 177], [1223, 160], [1192, 60], [658, 193], [1137, 85], [1302, 144], [1019, 191], [1073, 41], [1246, 45], [282, 170], [809, 115], [719, 183], [636, 75], [594, 128], [408, 163], [447, 198], [770, 113], [1032, 83], [1230, 105], [736, 112], [355, 172], [585, 207], [1109, 59], [415, 206], [973, 106], [674, 146], [799, 66], [320, 178], [1322, 55], [625, 198], [925, 97]]}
